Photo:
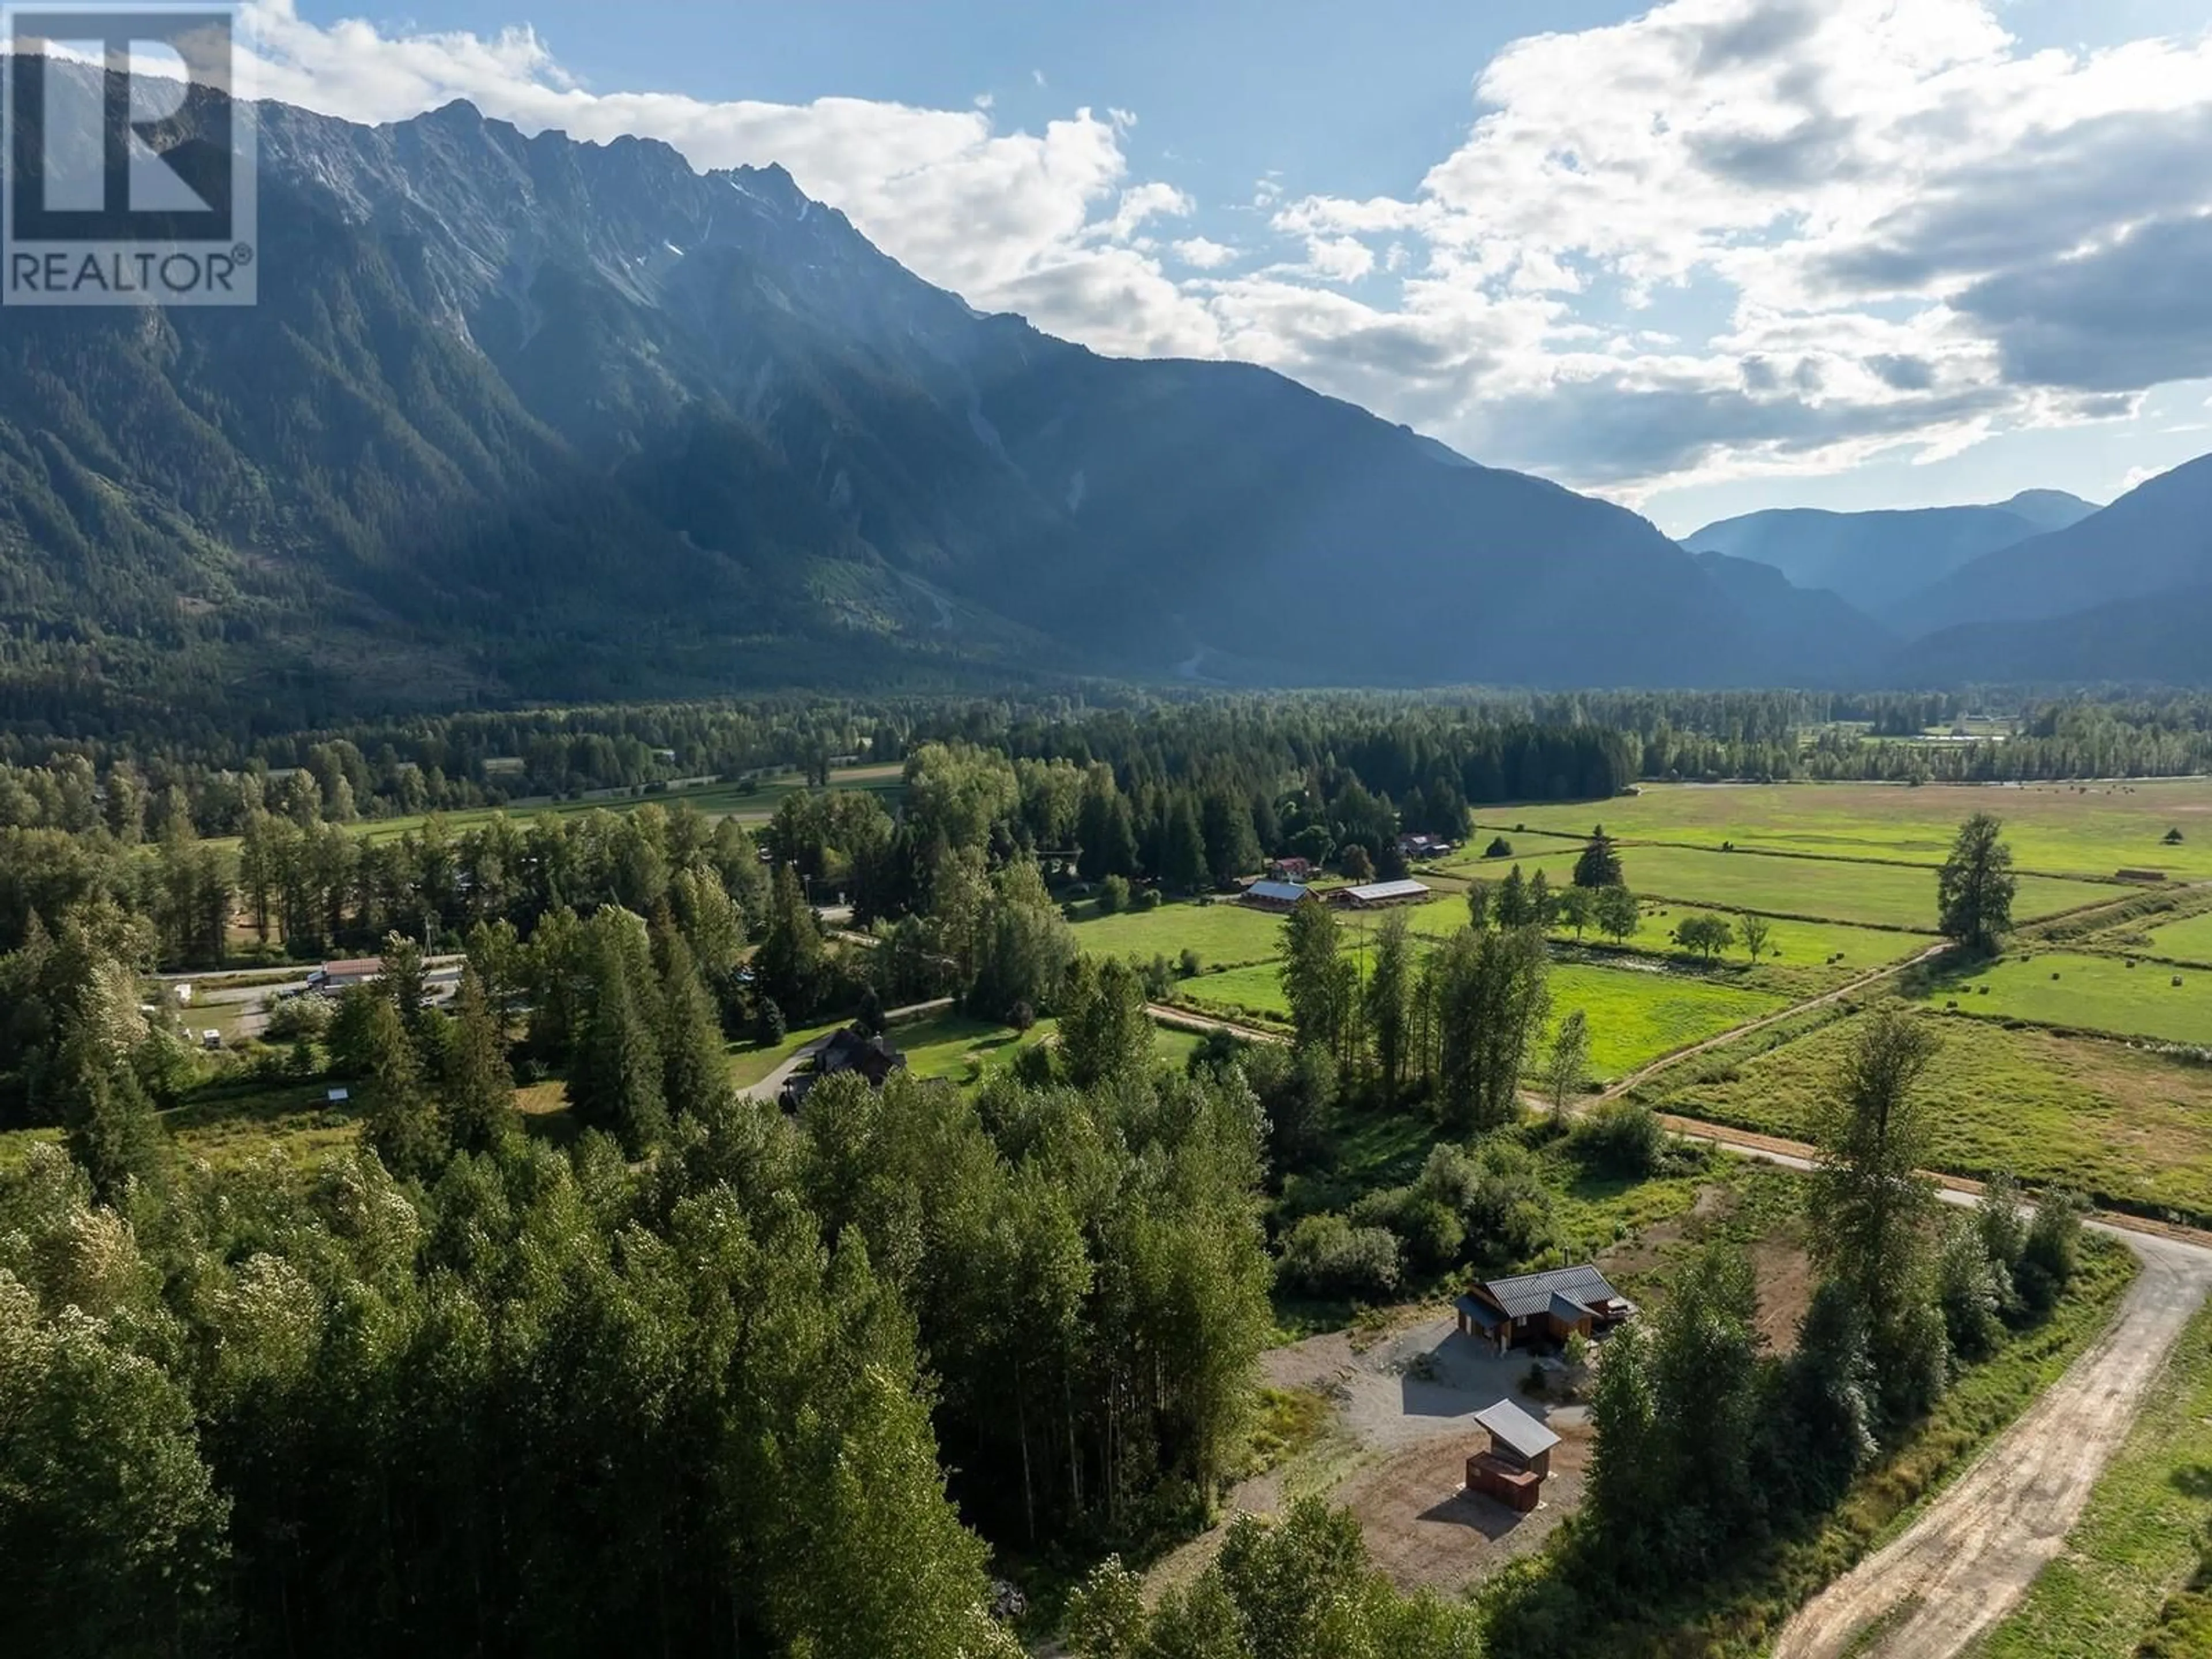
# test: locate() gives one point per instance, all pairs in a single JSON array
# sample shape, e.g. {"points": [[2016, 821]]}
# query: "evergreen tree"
{"points": [[616, 1082], [110, 1126], [694, 1069], [404, 1127], [1599, 867], [1389, 999], [791, 960], [1319, 984], [476, 1089]]}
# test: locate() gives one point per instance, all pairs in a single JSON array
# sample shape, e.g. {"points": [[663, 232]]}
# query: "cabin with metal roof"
{"points": [[1275, 895], [1542, 1307]]}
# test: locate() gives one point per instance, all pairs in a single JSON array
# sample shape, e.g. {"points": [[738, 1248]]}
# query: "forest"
{"points": [[704, 1376]]}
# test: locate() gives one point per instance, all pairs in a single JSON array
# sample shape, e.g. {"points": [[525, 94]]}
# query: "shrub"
{"points": [[1147, 899], [768, 1027], [296, 1018], [1113, 895], [1191, 965], [2052, 1252], [1327, 1256], [1021, 1016], [1499, 848], [1622, 1137]]}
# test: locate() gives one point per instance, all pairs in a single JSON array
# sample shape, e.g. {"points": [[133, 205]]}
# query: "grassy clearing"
{"points": [[1880, 895], [2185, 941], [1636, 1014], [2062, 828], [1224, 935], [2088, 993], [2140, 1537], [2134, 1129]]}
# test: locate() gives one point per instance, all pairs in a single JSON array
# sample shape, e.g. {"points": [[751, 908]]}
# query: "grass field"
{"points": [[2134, 1129], [2090, 993], [2184, 941], [2140, 1537], [1224, 935], [1635, 1015], [2062, 828], [1880, 895]]}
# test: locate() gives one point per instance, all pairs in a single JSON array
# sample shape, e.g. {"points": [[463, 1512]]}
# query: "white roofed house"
{"points": [[1274, 895]]}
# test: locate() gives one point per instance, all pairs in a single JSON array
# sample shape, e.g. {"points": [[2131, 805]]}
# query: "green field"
{"points": [[2090, 993], [1878, 894], [1223, 934], [1636, 1015], [2139, 1538], [2131, 1128], [2064, 829], [2185, 941]]}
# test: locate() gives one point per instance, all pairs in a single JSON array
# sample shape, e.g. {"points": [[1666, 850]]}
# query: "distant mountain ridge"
{"points": [[522, 417], [1879, 560]]}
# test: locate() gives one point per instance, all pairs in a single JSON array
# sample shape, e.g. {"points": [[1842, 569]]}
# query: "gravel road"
{"points": [[1968, 1559]]}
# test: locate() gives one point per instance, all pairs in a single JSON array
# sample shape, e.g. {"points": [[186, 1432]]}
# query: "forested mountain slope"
{"points": [[519, 416]]}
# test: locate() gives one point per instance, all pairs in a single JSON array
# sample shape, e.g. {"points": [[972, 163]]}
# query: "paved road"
{"points": [[1965, 1565]]}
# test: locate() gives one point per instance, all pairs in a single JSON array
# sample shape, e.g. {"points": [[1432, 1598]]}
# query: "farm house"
{"points": [[1541, 1307], [1519, 1459]]}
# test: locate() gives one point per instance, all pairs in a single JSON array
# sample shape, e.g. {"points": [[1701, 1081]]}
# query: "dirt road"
{"points": [[1965, 1563]]}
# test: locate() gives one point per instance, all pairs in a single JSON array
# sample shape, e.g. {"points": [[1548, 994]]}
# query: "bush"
{"points": [[768, 1027], [2052, 1252], [1148, 899], [1191, 965], [1499, 848], [1113, 895], [1021, 1016], [1622, 1137], [295, 1018], [1327, 1256]]}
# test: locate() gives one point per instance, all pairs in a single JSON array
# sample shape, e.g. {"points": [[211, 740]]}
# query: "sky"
{"points": [[1700, 256]]}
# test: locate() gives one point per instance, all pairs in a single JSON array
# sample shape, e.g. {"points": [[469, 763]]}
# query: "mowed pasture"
{"points": [[1828, 890], [1224, 934], [2128, 1127], [2184, 941], [2059, 829], [1636, 1014], [2088, 993]]}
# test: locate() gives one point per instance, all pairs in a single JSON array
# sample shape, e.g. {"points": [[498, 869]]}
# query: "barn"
{"points": [[1379, 895]]}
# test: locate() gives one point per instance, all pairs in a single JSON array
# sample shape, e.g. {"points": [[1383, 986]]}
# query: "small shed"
{"points": [[1518, 1460]]}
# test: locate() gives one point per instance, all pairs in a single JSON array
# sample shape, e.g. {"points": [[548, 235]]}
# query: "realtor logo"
{"points": [[130, 163]]}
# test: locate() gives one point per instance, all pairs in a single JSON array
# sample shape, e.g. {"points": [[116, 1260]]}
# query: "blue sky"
{"points": [[1701, 256]]}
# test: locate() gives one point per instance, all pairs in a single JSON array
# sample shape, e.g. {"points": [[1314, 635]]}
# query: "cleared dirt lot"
{"points": [[1395, 1455]]}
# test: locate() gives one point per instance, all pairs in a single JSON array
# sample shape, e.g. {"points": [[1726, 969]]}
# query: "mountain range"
{"points": [[1881, 560], [521, 418]]}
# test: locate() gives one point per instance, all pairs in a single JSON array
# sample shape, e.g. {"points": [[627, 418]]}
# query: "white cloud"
{"points": [[1203, 253], [1917, 231]]}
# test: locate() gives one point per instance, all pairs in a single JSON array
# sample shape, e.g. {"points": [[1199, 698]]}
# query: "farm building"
{"points": [[1513, 1470], [848, 1050], [1379, 895], [1294, 869], [1423, 846], [334, 977], [1544, 1308], [1274, 895]]}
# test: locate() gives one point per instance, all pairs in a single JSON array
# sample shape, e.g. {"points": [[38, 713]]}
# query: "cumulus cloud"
{"points": [[1922, 232]]}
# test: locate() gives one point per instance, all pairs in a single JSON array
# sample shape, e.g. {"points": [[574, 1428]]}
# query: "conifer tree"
{"points": [[478, 1089]]}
